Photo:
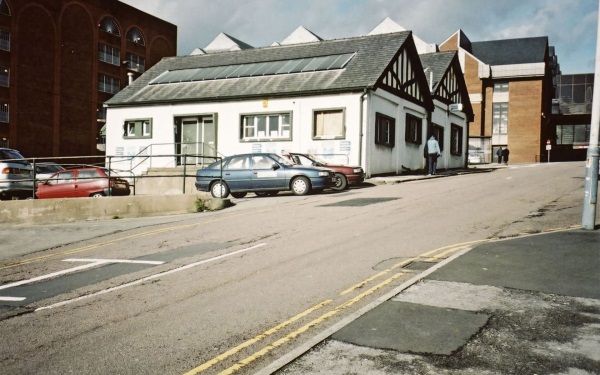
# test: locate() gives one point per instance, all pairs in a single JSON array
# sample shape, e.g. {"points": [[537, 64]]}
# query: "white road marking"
{"points": [[151, 277], [12, 299], [100, 261], [93, 263]]}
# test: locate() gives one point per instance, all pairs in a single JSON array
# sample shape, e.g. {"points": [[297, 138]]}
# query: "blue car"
{"points": [[263, 174]]}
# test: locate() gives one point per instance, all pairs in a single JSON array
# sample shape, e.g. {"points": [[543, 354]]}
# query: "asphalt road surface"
{"points": [[234, 290]]}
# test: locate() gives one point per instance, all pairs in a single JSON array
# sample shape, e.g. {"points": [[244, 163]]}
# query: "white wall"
{"points": [[381, 159], [229, 123], [376, 159], [443, 117]]}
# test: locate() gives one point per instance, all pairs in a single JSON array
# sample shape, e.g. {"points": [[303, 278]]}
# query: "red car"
{"points": [[82, 182], [346, 175]]}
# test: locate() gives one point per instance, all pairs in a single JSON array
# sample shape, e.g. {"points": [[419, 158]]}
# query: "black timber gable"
{"points": [[405, 78]]}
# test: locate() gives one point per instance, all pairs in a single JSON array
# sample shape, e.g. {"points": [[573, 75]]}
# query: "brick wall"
{"points": [[524, 120]]}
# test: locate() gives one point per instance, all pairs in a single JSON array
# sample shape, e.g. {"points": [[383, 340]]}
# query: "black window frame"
{"points": [[456, 139], [413, 129], [385, 130], [438, 132]]}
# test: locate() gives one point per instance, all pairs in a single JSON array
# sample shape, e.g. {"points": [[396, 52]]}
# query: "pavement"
{"points": [[526, 305]]}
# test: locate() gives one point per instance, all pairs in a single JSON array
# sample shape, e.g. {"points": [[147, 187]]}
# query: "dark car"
{"points": [[346, 174], [82, 182], [263, 174], [16, 175]]}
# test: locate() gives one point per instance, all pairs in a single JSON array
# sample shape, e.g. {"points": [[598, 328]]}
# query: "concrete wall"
{"points": [[54, 211]]}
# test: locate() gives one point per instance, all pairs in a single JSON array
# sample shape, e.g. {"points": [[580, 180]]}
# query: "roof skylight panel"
{"points": [[226, 72], [314, 63], [246, 69], [289, 65]]}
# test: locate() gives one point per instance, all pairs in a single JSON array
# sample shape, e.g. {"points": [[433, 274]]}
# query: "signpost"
{"points": [[548, 148]]}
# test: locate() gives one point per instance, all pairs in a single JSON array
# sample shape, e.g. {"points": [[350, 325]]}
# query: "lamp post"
{"points": [[590, 196]]}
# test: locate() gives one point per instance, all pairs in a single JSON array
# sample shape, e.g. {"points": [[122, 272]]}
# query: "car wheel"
{"points": [[97, 195], [341, 182], [239, 195], [219, 189], [300, 185], [260, 193]]}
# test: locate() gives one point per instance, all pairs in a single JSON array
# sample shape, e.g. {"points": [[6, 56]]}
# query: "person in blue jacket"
{"points": [[433, 152]]}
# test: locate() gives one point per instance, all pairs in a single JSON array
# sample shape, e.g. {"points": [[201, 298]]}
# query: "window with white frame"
{"points": [[413, 132], [4, 112], [110, 25], [4, 76], [500, 87], [109, 54], [4, 40], [329, 124], [500, 118], [139, 128], [136, 63], [385, 130], [456, 139], [108, 84], [266, 127]]}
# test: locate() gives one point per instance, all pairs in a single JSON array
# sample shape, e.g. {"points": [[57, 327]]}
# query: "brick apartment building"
{"points": [[60, 60], [511, 84]]}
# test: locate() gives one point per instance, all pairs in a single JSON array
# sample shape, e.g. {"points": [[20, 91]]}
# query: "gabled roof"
{"points": [[390, 26], [301, 35], [437, 66], [511, 51], [224, 42], [371, 57]]}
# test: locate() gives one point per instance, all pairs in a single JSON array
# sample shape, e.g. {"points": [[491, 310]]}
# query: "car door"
{"points": [[90, 181], [61, 185], [267, 174], [237, 173]]}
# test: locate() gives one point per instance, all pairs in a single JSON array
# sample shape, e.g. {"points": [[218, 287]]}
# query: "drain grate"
{"points": [[359, 202]]}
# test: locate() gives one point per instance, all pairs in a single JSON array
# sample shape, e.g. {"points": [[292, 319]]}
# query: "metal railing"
{"points": [[105, 162]]}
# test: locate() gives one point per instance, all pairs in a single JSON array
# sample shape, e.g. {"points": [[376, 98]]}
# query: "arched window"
{"points": [[4, 9], [135, 35], [109, 25]]}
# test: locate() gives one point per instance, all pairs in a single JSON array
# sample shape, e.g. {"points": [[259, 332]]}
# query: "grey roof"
{"points": [[438, 63], [373, 54], [511, 51]]}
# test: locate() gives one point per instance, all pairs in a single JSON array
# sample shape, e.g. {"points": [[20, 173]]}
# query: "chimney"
{"points": [[130, 74]]}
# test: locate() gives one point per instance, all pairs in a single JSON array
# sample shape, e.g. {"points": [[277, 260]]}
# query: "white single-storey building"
{"points": [[362, 101]]}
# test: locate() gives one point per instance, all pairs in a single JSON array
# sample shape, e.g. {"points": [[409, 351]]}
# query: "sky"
{"points": [[570, 25]]}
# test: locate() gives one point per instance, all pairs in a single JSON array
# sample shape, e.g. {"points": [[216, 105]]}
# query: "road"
{"points": [[231, 291]]}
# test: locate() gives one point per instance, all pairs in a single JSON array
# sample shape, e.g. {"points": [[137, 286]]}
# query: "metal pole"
{"points": [[590, 197], [184, 163]]}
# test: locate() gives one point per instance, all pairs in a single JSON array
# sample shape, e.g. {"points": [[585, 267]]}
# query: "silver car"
{"points": [[16, 175]]}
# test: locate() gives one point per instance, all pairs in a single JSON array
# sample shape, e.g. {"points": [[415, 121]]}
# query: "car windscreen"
{"points": [[280, 159], [11, 155]]}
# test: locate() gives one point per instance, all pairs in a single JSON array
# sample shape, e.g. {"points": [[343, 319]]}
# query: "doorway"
{"points": [[195, 136]]}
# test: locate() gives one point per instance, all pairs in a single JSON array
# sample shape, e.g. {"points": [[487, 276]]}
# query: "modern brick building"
{"points": [[60, 60], [511, 84]]}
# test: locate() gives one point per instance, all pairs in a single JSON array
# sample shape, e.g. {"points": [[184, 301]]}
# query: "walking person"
{"points": [[433, 152], [505, 153], [499, 153]]}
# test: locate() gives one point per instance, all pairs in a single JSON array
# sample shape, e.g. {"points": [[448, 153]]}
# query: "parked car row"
{"points": [[50, 180], [268, 174]]}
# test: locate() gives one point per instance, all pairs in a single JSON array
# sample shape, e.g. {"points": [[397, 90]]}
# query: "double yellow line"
{"points": [[429, 256]]}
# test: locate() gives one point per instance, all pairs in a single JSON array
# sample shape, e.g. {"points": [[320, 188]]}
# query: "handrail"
{"points": [[145, 156]]}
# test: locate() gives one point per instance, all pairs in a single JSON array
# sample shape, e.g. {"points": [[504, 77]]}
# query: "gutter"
{"points": [[360, 126]]}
